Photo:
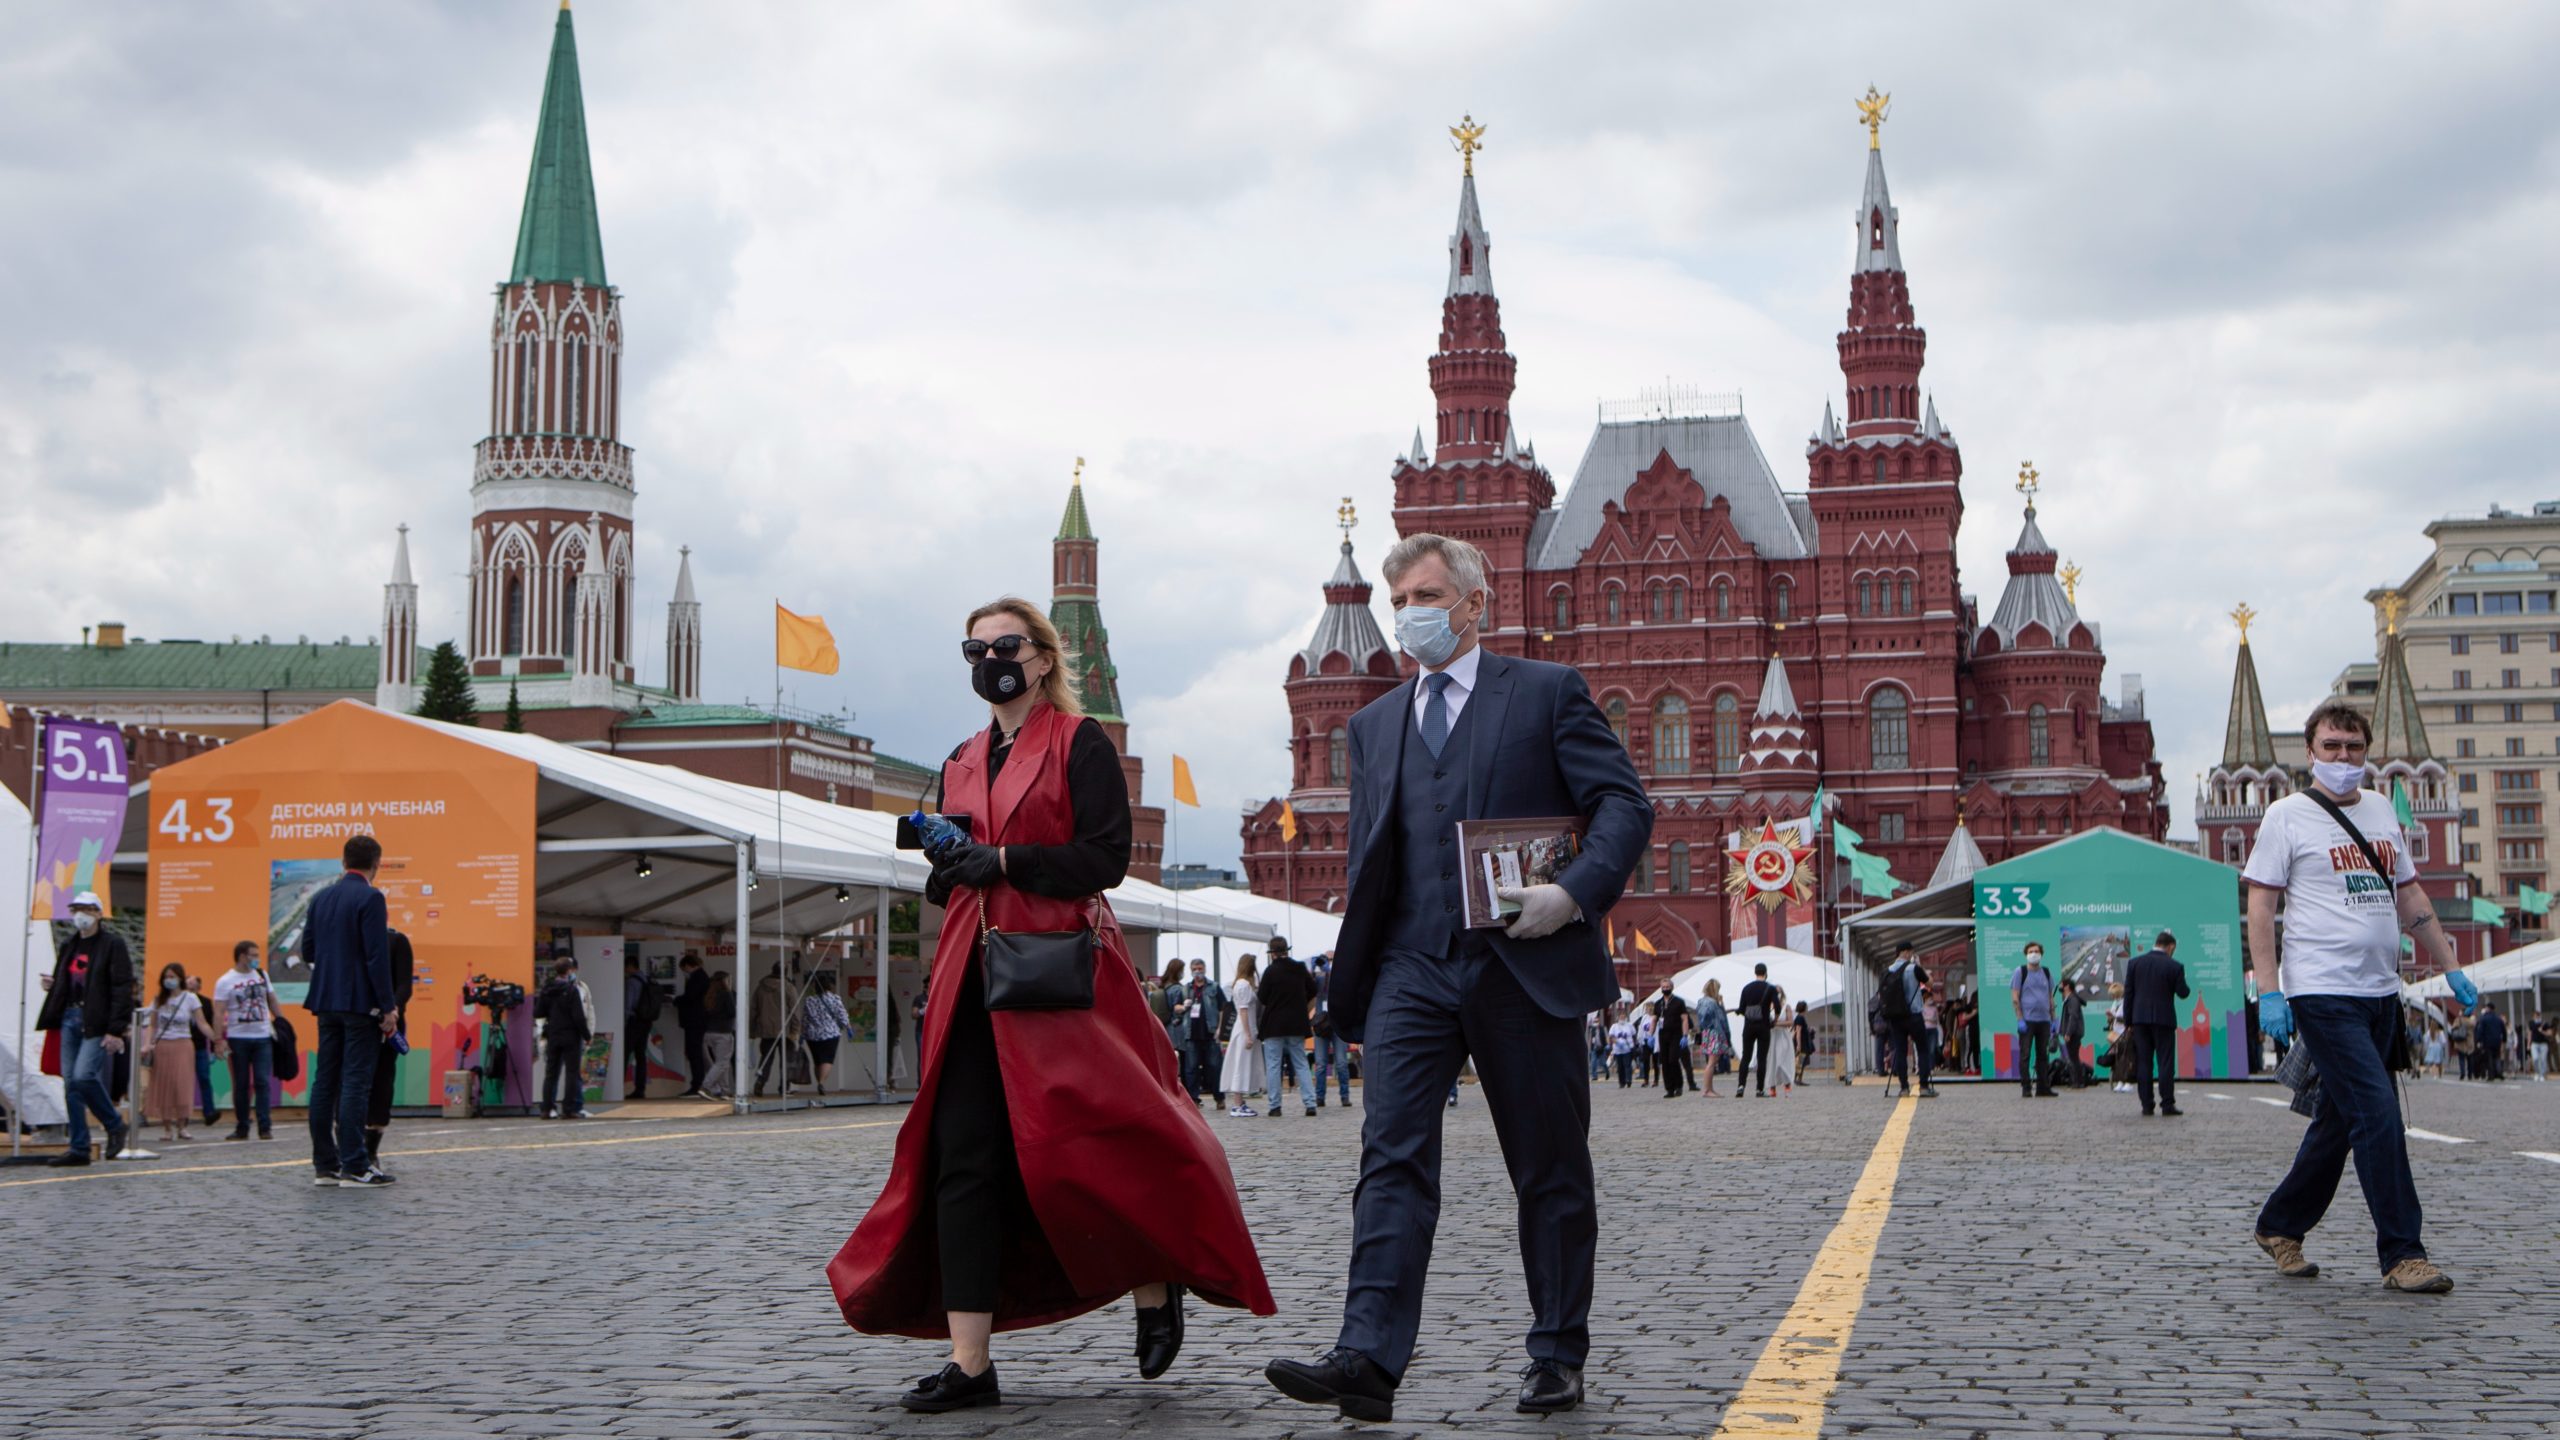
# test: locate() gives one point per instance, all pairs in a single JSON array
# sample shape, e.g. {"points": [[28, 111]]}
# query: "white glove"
{"points": [[1544, 910]]}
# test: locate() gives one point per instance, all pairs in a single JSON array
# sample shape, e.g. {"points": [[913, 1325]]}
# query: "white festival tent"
{"points": [[1309, 931], [728, 859], [1809, 978], [27, 951], [2504, 980]]}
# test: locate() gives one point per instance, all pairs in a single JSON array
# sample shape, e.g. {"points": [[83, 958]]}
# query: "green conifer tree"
{"points": [[447, 693], [515, 711]]}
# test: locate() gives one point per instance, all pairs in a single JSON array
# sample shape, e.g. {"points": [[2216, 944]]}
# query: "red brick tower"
{"points": [[1346, 665], [553, 455]]}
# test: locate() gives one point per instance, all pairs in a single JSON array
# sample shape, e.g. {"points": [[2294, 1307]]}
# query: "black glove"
{"points": [[976, 866]]}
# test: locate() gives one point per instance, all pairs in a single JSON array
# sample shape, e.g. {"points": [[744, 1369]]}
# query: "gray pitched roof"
{"points": [[1872, 256], [1720, 450], [1348, 624], [1470, 273], [2034, 596], [1958, 861]]}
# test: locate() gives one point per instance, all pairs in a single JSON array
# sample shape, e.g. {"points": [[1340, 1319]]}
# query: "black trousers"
{"points": [[1755, 1037], [2155, 1045], [1626, 1070], [697, 1057], [977, 1182], [2034, 1056], [1911, 1039], [1428, 1016], [1668, 1062], [560, 1076]]}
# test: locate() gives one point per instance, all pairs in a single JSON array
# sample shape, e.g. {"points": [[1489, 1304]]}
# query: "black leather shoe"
{"points": [[69, 1158], [2171, 1110], [1345, 1379], [952, 1388], [1548, 1386], [1160, 1334]]}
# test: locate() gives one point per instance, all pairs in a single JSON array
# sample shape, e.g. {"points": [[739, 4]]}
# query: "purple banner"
{"points": [[86, 784]]}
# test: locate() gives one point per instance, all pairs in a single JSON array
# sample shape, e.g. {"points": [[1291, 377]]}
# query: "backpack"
{"points": [[288, 1048], [1894, 1002], [652, 1003]]}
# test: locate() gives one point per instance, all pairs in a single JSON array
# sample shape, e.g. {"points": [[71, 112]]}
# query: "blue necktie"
{"points": [[1435, 712]]}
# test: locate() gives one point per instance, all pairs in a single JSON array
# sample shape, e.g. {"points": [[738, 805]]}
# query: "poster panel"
{"points": [[85, 788], [243, 836], [2094, 902], [1765, 903]]}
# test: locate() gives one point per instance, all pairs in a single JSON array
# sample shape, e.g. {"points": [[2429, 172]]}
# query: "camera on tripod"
{"points": [[498, 996]]}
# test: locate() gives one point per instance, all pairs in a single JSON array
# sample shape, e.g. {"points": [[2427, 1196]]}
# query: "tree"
{"points": [[447, 693], [515, 711]]}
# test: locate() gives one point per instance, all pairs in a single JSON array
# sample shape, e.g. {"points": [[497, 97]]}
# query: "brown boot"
{"points": [[2287, 1253], [2417, 1276]]}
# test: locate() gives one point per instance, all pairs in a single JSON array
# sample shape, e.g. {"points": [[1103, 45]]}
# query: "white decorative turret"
{"points": [[395, 684], [591, 672], [684, 635]]}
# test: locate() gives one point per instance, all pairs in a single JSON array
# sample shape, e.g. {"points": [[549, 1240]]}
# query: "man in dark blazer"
{"points": [[347, 944], [2153, 984], [1475, 736]]}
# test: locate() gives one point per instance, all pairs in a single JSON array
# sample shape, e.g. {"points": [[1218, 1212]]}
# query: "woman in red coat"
{"points": [[1045, 1148]]}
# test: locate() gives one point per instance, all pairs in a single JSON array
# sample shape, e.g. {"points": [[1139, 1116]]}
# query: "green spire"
{"points": [[2245, 737], [558, 239], [1074, 526], [2399, 732]]}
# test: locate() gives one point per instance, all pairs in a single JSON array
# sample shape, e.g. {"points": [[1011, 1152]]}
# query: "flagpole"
{"points": [[781, 946]]}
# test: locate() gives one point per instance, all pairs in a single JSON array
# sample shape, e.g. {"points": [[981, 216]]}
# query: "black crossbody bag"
{"points": [[1037, 970], [2396, 1056]]}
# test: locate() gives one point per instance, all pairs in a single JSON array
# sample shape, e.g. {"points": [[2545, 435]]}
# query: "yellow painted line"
{"points": [[1789, 1388], [125, 1170]]}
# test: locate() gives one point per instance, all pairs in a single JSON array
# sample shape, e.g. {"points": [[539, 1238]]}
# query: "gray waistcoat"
{"points": [[1431, 798]]}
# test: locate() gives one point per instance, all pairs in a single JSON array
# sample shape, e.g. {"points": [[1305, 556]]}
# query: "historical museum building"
{"points": [[1749, 642]]}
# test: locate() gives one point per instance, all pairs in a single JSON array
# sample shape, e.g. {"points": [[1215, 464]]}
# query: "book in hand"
{"points": [[1512, 854]]}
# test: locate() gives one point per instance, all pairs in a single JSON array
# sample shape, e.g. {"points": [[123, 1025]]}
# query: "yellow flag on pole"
{"points": [[803, 642], [1288, 824], [1182, 788], [1644, 946]]}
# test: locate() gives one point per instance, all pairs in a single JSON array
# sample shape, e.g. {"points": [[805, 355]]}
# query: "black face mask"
{"points": [[998, 681]]}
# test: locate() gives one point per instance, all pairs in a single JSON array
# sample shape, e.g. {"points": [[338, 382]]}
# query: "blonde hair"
{"points": [[1246, 969], [1057, 688]]}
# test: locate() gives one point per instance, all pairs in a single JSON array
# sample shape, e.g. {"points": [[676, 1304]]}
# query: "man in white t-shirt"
{"points": [[2345, 905], [244, 1007]]}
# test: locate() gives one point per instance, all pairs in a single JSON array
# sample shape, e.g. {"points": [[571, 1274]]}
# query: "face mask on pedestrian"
{"points": [[169, 986], [84, 922], [2337, 776], [1426, 633]]}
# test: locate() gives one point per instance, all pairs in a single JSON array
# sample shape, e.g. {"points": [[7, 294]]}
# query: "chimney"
{"points": [[110, 634]]}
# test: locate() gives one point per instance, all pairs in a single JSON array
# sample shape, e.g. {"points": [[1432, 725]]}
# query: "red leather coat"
{"points": [[1123, 1175]]}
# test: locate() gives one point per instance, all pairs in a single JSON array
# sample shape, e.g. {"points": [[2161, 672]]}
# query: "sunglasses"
{"points": [[1004, 647]]}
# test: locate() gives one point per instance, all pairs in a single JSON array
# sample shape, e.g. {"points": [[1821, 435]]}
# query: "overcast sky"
{"points": [[2261, 290]]}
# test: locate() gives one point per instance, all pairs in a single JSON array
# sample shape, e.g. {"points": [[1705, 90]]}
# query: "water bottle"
{"points": [[936, 833]]}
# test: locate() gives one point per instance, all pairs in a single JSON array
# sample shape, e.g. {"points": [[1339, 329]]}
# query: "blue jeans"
{"points": [[342, 1091], [1289, 1052], [253, 1068], [2357, 1111], [84, 1086], [204, 1082], [1333, 1057]]}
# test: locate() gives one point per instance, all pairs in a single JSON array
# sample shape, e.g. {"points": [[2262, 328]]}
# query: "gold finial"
{"points": [[2029, 481], [1346, 517], [2393, 603], [1470, 138], [1078, 481], [1871, 113], [2071, 582], [2241, 615]]}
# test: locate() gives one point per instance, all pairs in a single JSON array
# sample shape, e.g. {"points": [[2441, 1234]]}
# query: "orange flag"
{"points": [[1182, 787], [803, 642], [1288, 824], [1644, 946]]}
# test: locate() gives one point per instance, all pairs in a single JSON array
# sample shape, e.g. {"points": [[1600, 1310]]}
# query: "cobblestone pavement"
{"points": [[2049, 1267]]}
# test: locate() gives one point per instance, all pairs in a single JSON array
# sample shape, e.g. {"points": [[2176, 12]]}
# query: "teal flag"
{"points": [[1847, 839], [2532, 901], [1874, 877], [2400, 803], [2487, 912]]}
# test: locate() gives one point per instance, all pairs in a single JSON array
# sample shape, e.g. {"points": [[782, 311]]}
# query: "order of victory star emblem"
{"points": [[1771, 868]]}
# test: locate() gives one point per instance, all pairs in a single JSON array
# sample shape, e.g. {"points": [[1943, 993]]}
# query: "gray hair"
{"points": [[1465, 562]]}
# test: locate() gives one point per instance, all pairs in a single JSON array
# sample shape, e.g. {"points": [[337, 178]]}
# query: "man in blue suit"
{"points": [[1476, 736], [2153, 985], [347, 944]]}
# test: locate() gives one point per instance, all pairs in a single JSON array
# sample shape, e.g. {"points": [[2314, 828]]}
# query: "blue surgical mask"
{"points": [[2337, 777], [1424, 632]]}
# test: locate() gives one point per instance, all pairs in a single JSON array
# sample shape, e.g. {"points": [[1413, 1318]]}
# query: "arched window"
{"points": [[1616, 710], [528, 383], [1670, 736], [1908, 608], [1879, 469], [2039, 737], [1866, 595], [511, 631], [1679, 599], [1785, 597], [1724, 600], [1654, 602], [1644, 872], [573, 365], [1728, 733], [1338, 755], [1462, 491], [1613, 593], [568, 612], [1888, 730], [1679, 867], [1564, 610]]}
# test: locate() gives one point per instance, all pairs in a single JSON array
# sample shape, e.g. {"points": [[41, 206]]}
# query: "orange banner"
{"points": [[243, 836]]}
